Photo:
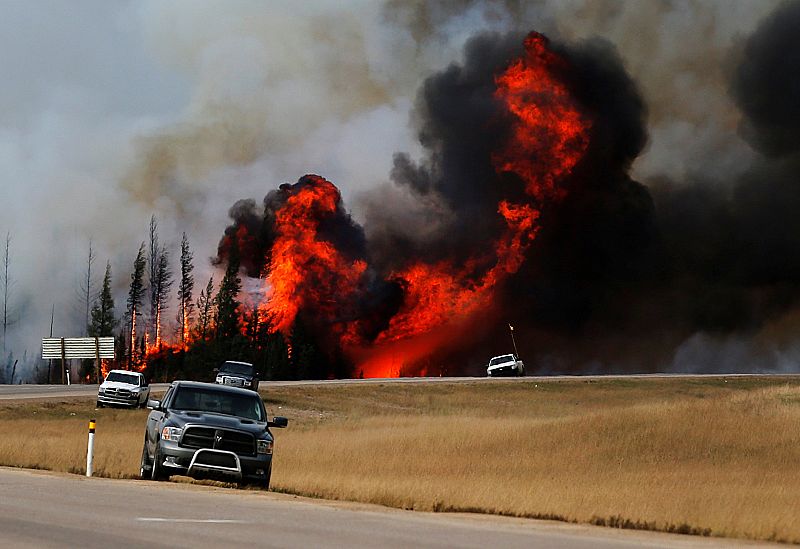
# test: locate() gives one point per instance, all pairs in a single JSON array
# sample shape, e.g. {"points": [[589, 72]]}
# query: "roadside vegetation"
{"points": [[708, 456]]}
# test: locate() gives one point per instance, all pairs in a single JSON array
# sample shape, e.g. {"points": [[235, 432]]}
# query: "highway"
{"points": [[42, 509], [21, 392]]}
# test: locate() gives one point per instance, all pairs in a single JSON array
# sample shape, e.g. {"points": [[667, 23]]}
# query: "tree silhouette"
{"points": [[135, 297], [228, 294], [185, 289]]}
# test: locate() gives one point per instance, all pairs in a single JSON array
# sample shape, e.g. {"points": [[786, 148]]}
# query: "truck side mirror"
{"points": [[154, 404], [215, 370], [278, 421]]}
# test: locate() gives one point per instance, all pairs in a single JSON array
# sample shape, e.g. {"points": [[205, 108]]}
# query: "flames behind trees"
{"points": [[314, 259]]}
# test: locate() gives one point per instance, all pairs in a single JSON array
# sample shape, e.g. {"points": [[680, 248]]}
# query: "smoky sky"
{"points": [[114, 112]]}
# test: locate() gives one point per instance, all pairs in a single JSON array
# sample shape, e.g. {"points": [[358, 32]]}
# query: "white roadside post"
{"points": [[90, 449]]}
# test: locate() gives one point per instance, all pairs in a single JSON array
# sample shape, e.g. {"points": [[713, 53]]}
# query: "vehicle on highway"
{"points": [[206, 430], [237, 374], [505, 365], [123, 388]]}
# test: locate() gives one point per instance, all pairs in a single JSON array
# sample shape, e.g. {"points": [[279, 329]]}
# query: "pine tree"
{"points": [[227, 296], [185, 289], [135, 297], [7, 283], [163, 283], [152, 279], [103, 321], [86, 291], [205, 310]]}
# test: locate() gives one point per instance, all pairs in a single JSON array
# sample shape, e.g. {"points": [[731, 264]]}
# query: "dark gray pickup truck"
{"points": [[205, 430]]}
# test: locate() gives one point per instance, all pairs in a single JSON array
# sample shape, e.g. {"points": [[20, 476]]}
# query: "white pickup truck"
{"points": [[123, 388], [505, 365]]}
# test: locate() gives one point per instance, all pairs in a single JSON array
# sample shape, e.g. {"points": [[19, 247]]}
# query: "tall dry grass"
{"points": [[54, 435], [706, 456], [726, 466]]}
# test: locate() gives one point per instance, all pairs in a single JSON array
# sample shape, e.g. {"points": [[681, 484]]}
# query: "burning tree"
{"points": [[160, 282], [185, 289]]}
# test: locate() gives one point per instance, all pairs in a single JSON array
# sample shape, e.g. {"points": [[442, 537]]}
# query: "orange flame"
{"points": [[305, 271], [549, 135]]}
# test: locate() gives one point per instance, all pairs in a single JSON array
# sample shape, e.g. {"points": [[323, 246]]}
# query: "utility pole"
{"points": [[513, 342]]}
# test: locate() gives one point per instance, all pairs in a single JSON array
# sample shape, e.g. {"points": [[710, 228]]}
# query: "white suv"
{"points": [[123, 387]]}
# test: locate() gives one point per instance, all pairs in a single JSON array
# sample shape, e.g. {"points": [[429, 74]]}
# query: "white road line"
{"points": [[208, 521]]}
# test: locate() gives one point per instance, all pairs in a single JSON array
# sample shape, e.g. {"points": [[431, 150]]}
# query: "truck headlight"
{"points": [[171, 433], [247, 383], [101, 391], [219, 379], [264, 446]]}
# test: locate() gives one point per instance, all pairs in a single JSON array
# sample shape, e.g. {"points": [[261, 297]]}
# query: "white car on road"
{"points": [[123, 388], [505, 365]]}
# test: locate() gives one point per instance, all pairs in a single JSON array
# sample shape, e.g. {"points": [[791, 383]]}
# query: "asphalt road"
{"points": [[40, 509], [18, 392]]}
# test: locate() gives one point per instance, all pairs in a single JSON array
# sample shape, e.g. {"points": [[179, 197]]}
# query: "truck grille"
{"points": [[219, 439], [233, 381], [216, 460], [117, 393]]}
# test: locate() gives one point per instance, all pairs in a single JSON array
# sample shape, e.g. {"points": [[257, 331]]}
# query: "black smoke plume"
{"points": [[620, 273]]}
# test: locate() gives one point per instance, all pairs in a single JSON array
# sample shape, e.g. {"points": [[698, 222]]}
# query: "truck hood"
{"points": [[503, 365], [209, 419], [118, 385]]}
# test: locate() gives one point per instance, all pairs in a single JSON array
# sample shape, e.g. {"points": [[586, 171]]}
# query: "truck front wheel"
{"points": [[145, 469], [157, 469]]}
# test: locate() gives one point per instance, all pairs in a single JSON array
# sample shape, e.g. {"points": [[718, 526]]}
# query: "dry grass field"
{"points": [[707, 456]]}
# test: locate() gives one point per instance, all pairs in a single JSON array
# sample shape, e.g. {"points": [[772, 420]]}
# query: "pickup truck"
{"points": [[505, 365], [237, 374], [123, 388], [205, 430]]}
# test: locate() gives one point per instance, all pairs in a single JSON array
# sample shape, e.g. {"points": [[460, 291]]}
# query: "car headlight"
{"points": [[264, 446], [171, 433]]}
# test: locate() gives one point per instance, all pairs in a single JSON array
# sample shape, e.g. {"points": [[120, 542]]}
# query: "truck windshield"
{"points": [[234, 368], [199, 399], [501, 359], [123, 378]]}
